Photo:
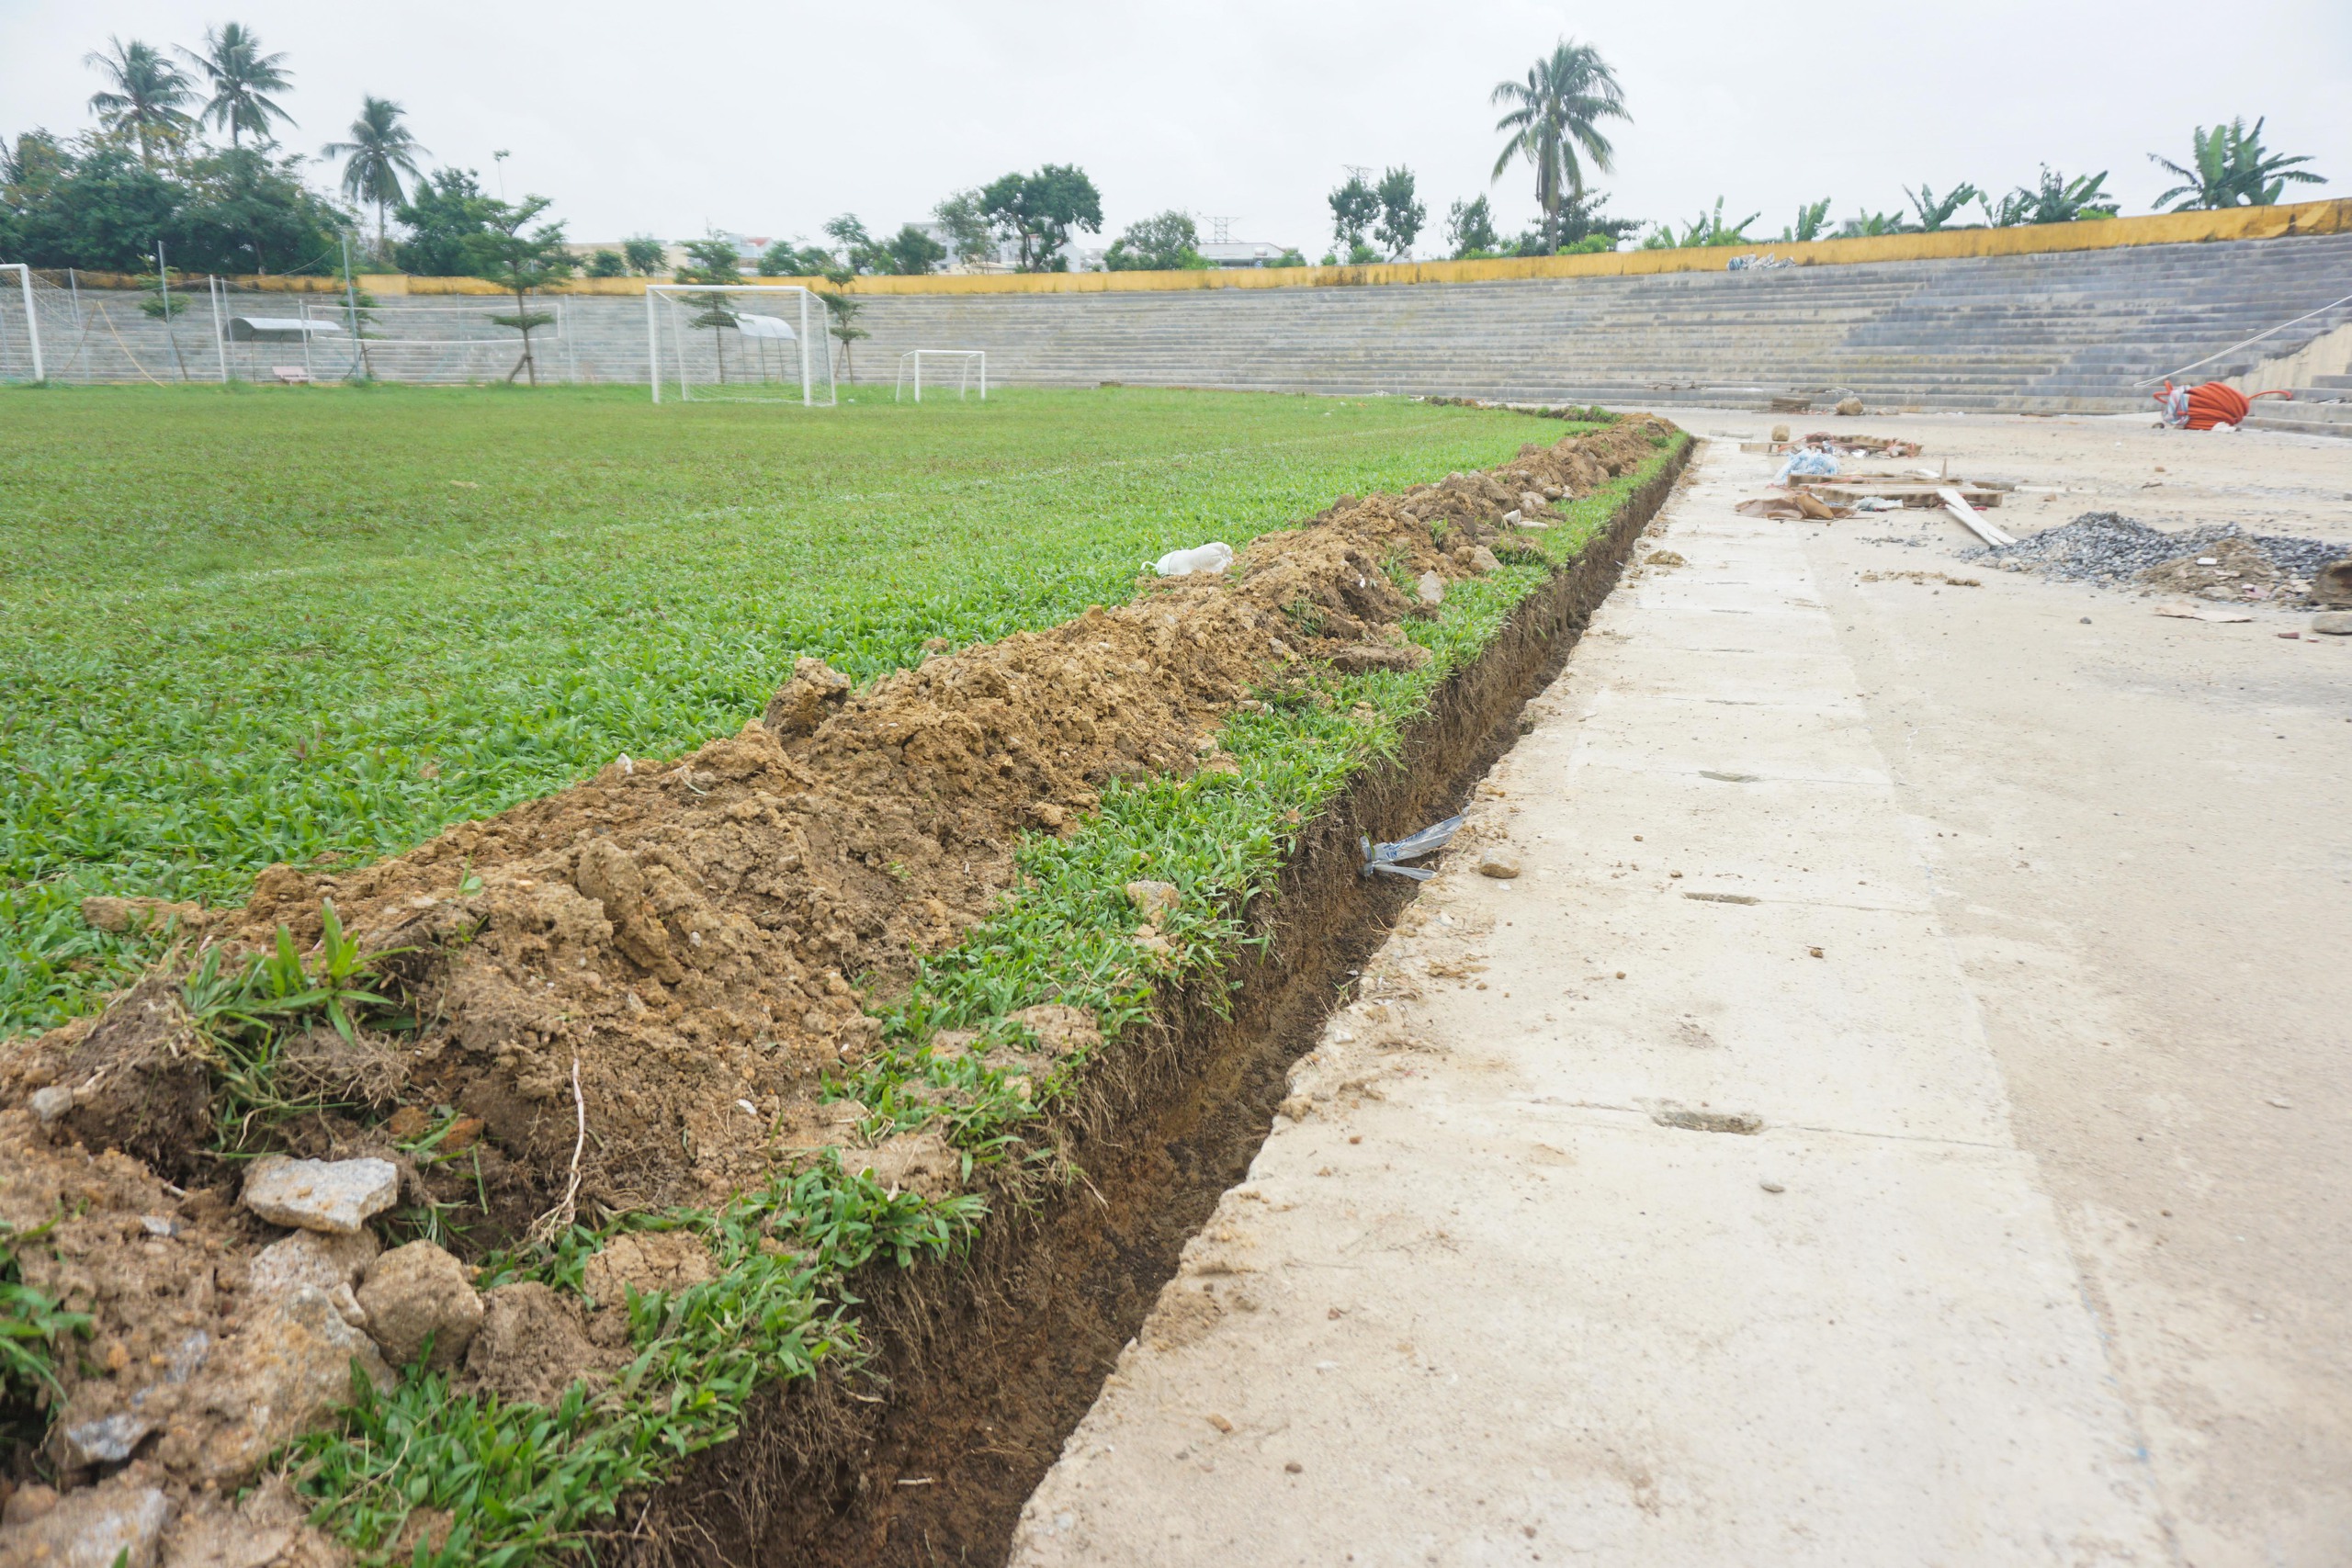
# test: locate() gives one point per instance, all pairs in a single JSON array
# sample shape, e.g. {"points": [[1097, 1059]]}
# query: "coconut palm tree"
{"points": [[146, 97], [1554, 114], [2230, 167], [242, 77], [380, 151]]}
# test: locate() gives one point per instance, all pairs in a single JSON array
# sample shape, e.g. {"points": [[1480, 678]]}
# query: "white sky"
{"points": [[768, 120]]}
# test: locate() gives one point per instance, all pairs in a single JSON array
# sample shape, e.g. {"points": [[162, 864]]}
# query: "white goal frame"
{"points": [[970, 358], [802, 318], [23, 281]]}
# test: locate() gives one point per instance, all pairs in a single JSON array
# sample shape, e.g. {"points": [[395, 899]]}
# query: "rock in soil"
{"points": [[1153, 900], [416, 1293], [334, 1196], [286, 1374], [2336, 623], [922, 1163], [1500, 865], [118, 1521]]}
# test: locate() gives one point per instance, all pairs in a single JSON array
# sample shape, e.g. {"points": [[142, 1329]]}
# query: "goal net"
{"points": [[963, 368], [38, 333], [726, 342]]}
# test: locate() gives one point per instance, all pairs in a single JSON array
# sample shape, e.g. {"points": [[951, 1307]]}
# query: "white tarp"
{"points": [[277, 329], [766, 326]]}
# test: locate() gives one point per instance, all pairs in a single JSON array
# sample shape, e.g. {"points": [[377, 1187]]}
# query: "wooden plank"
{"points": [[1957, 505]]}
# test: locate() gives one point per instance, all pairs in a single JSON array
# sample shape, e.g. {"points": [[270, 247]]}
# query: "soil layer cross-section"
{"points": [[1656, 1204]]}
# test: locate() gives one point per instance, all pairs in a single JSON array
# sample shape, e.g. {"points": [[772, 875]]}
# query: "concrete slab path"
{"points": [[1660, 1205]]}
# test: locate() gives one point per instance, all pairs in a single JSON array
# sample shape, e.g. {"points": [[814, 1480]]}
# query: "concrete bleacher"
{"points": [[2041, 332], [2053, 332]]}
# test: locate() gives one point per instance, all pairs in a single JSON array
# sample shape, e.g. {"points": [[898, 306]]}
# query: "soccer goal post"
{"points": [[22, 357], [729, 343], [961, 363]]}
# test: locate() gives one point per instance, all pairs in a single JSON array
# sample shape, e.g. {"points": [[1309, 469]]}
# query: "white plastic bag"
{"points": [[1213, 557]]}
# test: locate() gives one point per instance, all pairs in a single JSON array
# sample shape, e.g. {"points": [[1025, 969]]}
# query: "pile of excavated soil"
{"points": [[2107, 549], [676, 939]]}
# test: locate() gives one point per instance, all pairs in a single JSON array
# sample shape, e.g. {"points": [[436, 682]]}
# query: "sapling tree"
{"points": [[713, 259], [1401, 214], [645, 254], [842, 308], [1470, 230], [521, 260], [1356, 207]]}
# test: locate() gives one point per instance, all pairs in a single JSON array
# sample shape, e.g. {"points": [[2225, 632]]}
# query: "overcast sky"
{"points": [[769, 120]]}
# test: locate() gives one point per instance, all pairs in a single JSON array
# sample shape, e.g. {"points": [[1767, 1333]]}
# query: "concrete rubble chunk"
{"points": [[310, 1258], [2336, 623], [285, 1374], [1431, 589], [1500, 865], [120, 1521], [334, 1196], [1484, 561], [108, 1439], [416, 1293], [50, 1103]]}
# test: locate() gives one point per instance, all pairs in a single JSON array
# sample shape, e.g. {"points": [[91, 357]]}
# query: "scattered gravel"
{"points": [[2103, 547]]}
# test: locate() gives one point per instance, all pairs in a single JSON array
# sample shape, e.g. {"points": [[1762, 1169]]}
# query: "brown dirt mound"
{"points": [[682, 934], [2237, 566]]}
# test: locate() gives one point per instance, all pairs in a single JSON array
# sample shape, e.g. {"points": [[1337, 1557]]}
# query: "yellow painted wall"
{"points": [[2157, 229]]}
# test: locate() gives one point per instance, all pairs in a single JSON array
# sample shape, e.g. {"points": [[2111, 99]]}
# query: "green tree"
{"points": [[1554, 115], [146, 99], [913, 252], [380, 151], [2055, 199], [1038, 212], [244, 211], [1936, 212], [444, 214], [1470, 230], [1290, 257], [857, 250], [2228, 166], [522, 263], [841, 307], [645, 254], [1356, 207], [713, 259], [1869, 225], [1401, 212], [241, 78], [608, 262], [970, 234], [1708, 229], [1811, 219], [788, 259], [93, 205], [1169, 242]]}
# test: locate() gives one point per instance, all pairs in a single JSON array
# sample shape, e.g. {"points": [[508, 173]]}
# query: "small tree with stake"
{"points": [[843, 307], [520, 264], [713, 259]]}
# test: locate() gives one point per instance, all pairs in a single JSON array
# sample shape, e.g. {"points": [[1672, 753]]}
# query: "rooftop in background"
{"points": [[1243, 252]]}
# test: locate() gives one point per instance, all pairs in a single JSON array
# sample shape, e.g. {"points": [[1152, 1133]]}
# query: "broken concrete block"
{"points": [[418, 1292], [309, 1257], [117, 1522], [1499, 864], [1429, 589], [335, 1196], [287, 1373]]}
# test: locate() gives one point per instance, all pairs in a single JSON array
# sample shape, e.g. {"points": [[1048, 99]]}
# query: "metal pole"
{"points": [[652, 346], [74, 284], [303, 304], [918, 375], [220, 328], [164, 293], [807, 391], [984, 376], [33, 321], [350, 305]]}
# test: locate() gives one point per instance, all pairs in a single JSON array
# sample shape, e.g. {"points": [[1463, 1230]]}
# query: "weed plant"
{"points": [[254, 624]]}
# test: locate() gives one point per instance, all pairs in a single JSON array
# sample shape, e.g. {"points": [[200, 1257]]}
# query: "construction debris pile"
{"points": [[2218, 561]]}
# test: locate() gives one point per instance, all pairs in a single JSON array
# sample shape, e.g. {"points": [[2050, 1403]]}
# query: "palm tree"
{"points": [[2230, 167], [242, 76], [380, 151], [1553, 113], [146, 97]]}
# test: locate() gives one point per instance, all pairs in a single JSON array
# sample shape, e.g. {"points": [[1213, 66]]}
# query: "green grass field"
{"points": [[258, 625]]}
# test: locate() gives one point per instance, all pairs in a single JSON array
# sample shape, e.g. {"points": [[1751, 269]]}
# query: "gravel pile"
{"points": [[2105, 546]]}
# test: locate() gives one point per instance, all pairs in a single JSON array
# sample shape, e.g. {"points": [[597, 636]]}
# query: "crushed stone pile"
{"points": [[2109, 549], [678, 941]]}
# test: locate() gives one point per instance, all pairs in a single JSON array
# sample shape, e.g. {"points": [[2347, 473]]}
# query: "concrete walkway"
{"points": [[1658, 1206]]}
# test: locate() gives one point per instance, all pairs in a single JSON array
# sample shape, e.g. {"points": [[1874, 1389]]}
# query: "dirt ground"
{"points": [[2028, 1240]]}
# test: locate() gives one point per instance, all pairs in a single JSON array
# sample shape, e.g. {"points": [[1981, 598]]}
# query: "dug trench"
{"points": [[988, 1364], [636, 1040]]}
